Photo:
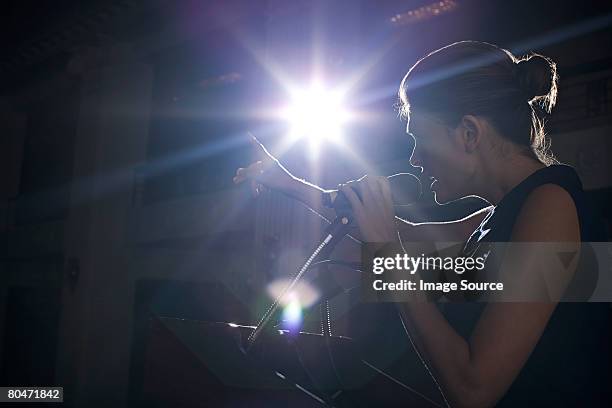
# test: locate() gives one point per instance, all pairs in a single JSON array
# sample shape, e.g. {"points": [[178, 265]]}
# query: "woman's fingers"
{"points": [[372, 190], [385, 189], [351, 196], [241, 175], [373, 211], [364, 189], [252, 172], [266, 173], [368, 189], [371, 193]]}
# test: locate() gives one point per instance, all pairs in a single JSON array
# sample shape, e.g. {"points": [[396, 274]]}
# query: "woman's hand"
{"points": [[374, 212], [266, 172]]}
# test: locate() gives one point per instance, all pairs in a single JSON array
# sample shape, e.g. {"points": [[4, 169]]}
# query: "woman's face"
{"points": [[440, 152]]}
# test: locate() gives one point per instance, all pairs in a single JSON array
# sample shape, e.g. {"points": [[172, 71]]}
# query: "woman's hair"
{"points": [[477, 78]]}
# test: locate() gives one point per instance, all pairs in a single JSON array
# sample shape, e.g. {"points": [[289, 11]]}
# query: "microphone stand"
{"points": [[332, 235]]}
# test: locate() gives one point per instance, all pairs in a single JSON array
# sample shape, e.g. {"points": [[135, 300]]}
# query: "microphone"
{"points": [[405, 190]]}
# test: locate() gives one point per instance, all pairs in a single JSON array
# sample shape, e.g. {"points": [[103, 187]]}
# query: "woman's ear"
{"points": [[471, 130]]}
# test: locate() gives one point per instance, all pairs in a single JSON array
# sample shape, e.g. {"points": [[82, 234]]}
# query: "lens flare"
{"points": [[292, 314], [293, 303], [304, 292]]}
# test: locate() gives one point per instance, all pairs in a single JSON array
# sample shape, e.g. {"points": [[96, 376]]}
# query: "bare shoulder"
{"points": [[548, 214]]}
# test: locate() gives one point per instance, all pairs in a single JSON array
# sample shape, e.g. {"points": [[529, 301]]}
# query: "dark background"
{"points": [[123, 122]]}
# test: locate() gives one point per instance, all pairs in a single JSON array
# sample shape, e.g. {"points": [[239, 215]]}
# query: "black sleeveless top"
{"points": [[570, 365]]}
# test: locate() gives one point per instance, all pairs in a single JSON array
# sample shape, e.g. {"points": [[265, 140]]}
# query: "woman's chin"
{"points": [[439, 198], [440, 195]]}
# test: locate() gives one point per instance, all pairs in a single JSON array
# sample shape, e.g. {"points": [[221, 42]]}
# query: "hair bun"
{"points": [[537, 77]]}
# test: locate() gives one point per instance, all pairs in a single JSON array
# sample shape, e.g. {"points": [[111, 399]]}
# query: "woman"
{"points": [[476, 112]]}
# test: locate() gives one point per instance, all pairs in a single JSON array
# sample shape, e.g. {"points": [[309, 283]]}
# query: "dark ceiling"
{"points": [[37, 35]]}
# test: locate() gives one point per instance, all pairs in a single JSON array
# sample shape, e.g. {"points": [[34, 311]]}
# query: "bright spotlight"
{"points": [[316, 114]]}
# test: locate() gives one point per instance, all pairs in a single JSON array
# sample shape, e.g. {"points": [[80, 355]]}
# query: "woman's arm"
{"points": [[312, 196], [448, 231], [476, 372], [268, 171]]}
